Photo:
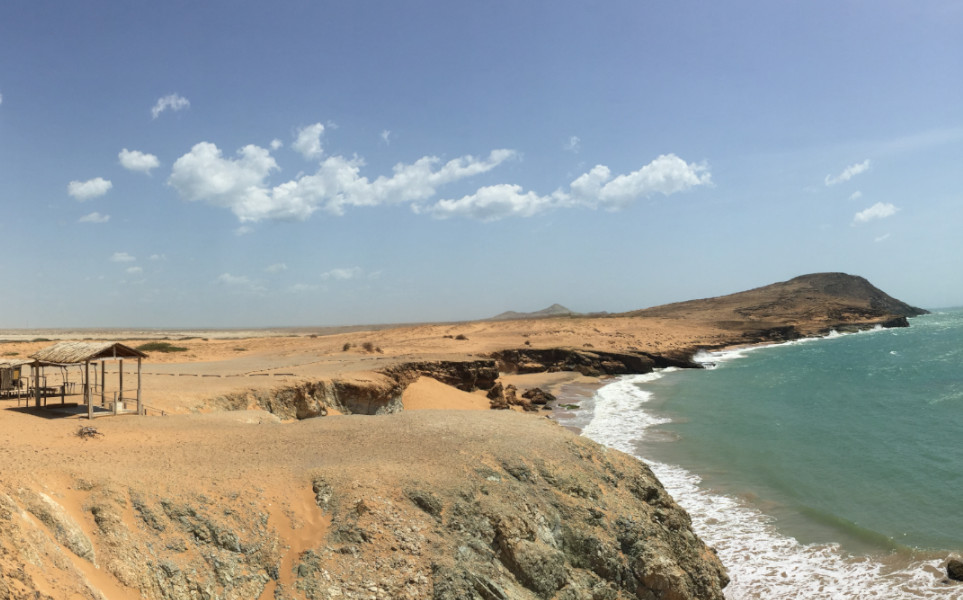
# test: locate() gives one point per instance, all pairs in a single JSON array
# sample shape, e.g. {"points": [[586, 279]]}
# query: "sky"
{"points": [[307, 163]]}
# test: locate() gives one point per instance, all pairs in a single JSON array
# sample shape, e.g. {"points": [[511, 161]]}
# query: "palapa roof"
{"points": [[14, 362], [69, 353]]}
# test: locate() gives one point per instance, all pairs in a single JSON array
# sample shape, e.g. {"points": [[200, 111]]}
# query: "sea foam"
{"points": [[762, 562]]}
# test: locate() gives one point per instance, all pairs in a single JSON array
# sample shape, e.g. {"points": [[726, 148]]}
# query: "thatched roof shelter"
{"points": [[73, 353], [66, 354], [9, 363]]}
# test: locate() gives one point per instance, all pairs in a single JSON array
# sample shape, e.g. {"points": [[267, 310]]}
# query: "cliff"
{"points": [[415, 505]]}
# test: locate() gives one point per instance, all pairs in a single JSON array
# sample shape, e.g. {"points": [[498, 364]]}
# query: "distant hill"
{"points": [[831, 297], [555, 310]]}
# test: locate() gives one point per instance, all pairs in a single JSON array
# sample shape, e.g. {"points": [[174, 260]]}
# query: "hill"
{"points": [[555, 310], [832, 298]]}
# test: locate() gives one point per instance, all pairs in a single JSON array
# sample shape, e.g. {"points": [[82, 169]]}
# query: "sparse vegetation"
{"points": [[88, 432], [41, 340], [240, 349], [568, 406], [164, 347], [528, 342], [461, 336], [368, 347], [11, 354], [346, 347]]}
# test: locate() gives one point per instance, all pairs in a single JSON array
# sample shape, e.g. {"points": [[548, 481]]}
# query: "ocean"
{"points": [[823, 468]]}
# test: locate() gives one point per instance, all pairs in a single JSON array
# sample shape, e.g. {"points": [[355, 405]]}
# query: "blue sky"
{"points": [[235, 164]]}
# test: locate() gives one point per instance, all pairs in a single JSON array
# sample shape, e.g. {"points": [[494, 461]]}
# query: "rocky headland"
{"points": [[242, 491]]}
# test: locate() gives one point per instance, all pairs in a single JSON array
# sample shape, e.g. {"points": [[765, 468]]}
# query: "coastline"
{"points": [[740, 526]]}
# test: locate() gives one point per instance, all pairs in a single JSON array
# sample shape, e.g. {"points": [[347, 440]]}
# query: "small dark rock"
{"points": [[954, 569]]}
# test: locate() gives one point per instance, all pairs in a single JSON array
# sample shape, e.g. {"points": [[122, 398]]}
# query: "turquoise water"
{"points": [[861, 434], [828, 468]]}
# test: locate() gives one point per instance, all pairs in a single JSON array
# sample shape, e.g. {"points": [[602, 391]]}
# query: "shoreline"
{"points": [[879, 570]]}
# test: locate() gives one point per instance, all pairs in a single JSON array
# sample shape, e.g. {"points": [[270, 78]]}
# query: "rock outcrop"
{"points": [[588, 362], [489, 505], [377, 393]]}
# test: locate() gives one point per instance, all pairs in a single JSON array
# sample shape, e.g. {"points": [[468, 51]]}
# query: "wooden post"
{"points": [[140, 404], [103, 394], [90, 404], [36, 384], [116, 405], [120, 392]]}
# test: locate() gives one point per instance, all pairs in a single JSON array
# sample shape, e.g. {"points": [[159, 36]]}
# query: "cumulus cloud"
{"points": [[134, 160], [276, 144], [848, 173], [157, 257], [1, 98], [573, 144], [240, 184], [134, 270], [173, 102], [666, 175], [856, 195], [203, 174], [342, 274], [92, 188], [879, 210], [308, 141], [386, 137], [122, 257], [94, 217], [881, 238], [276, 268]]}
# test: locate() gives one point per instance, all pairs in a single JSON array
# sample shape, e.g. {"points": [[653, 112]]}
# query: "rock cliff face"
{"points": [[587, 362], [455, 513], [377, 394]]}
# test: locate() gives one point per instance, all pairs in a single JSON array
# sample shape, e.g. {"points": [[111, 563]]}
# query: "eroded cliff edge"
{"points": [[415, 505]]}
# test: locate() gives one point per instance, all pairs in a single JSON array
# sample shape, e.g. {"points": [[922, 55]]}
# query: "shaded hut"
{"points": [[11, 376], [66, 354]]}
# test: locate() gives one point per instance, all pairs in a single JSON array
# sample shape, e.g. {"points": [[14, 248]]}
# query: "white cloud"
{"points": [[122, 257], [879, 210], [157, 257], [94, 217], [1, 98], [243, 230], [342, 274], [242, 282], [573, 144], [134, 160], [276, 268], [276, 144], [881, 238], [667, 174], [239, 184], [308, 142], [492, 203], [135, 270], [848, 173], [171, 101], [856, 195], [386, 137], [92, 188]]}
